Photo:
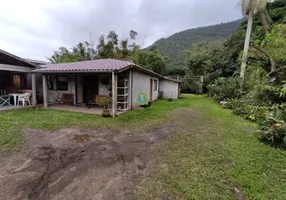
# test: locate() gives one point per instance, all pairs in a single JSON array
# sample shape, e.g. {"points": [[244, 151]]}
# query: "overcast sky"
{"points": [[35, 28]]}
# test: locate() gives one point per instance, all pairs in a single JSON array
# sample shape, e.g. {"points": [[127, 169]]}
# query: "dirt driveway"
{"points": [[86, 164]]}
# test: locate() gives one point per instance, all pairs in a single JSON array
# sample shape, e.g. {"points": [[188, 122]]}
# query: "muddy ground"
{"points": [[86, 164]]}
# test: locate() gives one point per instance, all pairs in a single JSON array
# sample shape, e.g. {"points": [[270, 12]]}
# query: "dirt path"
{"points": [[84, 164]]}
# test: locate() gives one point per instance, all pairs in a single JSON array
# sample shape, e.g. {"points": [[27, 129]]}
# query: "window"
{"points": [[58, 83], [62, 82], [17, 81], [155, 85]]}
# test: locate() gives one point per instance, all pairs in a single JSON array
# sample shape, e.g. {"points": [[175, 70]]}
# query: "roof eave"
{"points": [[71, 71], [18, 58], [147, 71]]}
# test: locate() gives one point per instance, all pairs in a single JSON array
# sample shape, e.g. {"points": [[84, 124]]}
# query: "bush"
{"points": [[273, 135], [225, 88], [273, 129], [254, 113], [269, 95], [234, 103]]}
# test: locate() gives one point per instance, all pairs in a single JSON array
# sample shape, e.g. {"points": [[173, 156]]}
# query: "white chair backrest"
{"points": [[25, 95], [28, 94]]}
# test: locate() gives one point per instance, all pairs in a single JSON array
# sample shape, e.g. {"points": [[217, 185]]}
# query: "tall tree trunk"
{"points": [[246, 45]]}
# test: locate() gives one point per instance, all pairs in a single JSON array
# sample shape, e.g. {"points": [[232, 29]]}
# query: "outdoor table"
{"points": [[15, 95], [5, 100]]}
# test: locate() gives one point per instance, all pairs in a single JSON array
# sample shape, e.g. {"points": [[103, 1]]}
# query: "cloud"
{"points": [[34, 29]]}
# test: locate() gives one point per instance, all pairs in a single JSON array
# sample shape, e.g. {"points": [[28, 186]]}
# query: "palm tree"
{"points": [[249, 8]]}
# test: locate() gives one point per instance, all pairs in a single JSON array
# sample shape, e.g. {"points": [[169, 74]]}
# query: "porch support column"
{"points": [[34, 90], [130, 80], [45, 91], [114, 94]]}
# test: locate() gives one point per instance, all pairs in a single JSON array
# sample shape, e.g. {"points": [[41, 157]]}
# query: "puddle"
{"points": [[81, 138]]}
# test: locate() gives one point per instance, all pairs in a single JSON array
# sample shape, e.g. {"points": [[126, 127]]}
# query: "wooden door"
{"points": [[151, 90]]}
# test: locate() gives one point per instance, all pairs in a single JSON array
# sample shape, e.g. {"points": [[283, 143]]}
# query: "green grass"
{"points": [[211, 151], [12, 122], [214, 151]]}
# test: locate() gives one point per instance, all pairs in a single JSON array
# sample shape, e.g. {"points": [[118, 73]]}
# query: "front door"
{"points": [[151, 90], [90, 87]]}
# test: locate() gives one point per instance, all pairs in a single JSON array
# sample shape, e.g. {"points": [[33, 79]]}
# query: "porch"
{"points": [[13, 84], [84, 88]]}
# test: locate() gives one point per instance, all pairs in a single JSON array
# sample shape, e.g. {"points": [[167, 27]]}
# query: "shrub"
{"points": [[274, 135], [269, 95], [234, 103], [225, 88], [273, 129], [253, 113]]}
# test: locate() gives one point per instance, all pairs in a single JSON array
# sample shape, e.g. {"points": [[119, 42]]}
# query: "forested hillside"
{"points": [[173, 46]]}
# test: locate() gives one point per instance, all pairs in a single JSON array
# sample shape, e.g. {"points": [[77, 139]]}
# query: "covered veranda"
{"points": [[15, 79], [87, 80]]}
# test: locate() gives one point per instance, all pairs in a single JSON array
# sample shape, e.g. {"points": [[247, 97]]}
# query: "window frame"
{"points": [[54, 83], [155, 84]]}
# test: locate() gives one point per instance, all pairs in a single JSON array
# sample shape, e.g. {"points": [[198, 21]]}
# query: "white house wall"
{"points": [[141, 83], [170, 89]]}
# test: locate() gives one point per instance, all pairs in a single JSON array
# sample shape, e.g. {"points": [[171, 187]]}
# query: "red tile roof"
{"points": [[100, 65]]}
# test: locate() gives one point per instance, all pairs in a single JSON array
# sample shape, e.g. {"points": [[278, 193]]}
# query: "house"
{"points": [[15, 75], [123, 81]]}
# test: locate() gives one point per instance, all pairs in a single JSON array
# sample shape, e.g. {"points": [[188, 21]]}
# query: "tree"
{"points": [[111, 47], [80, 52], [249, 8], [133, 35], [151, 59], [275, 43], [125, 52]]}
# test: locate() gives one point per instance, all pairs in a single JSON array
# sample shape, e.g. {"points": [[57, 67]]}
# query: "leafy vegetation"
{"points": [[262, 91], [111, 47]]}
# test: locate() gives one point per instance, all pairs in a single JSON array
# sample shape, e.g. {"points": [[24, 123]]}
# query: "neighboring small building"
{"points": [[15, 73], [121, 80]]}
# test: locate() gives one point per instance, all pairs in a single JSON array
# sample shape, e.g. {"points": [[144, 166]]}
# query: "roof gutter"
{"points": [[70, 72]]}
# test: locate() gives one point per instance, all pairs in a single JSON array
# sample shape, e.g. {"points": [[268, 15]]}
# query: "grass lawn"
{"points": [[13, 121], [207, 156]]}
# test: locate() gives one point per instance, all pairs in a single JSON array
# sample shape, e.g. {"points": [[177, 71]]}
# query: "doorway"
{"points": [[151, 90], [90, 87]]}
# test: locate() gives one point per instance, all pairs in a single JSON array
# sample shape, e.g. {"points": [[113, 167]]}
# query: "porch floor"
{"points": [[96, 111]]}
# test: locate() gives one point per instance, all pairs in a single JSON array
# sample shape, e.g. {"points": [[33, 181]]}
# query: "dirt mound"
{"points": [[77, 164]]}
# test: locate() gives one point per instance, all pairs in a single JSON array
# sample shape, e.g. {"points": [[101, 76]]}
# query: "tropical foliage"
{"points": [[263, 93], [111, 47]]}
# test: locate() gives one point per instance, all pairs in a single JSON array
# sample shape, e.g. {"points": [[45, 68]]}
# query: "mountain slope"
{"points": [[173, 46]]}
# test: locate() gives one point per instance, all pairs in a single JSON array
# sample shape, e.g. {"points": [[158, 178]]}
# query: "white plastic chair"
{"points": [[24, 98]]}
